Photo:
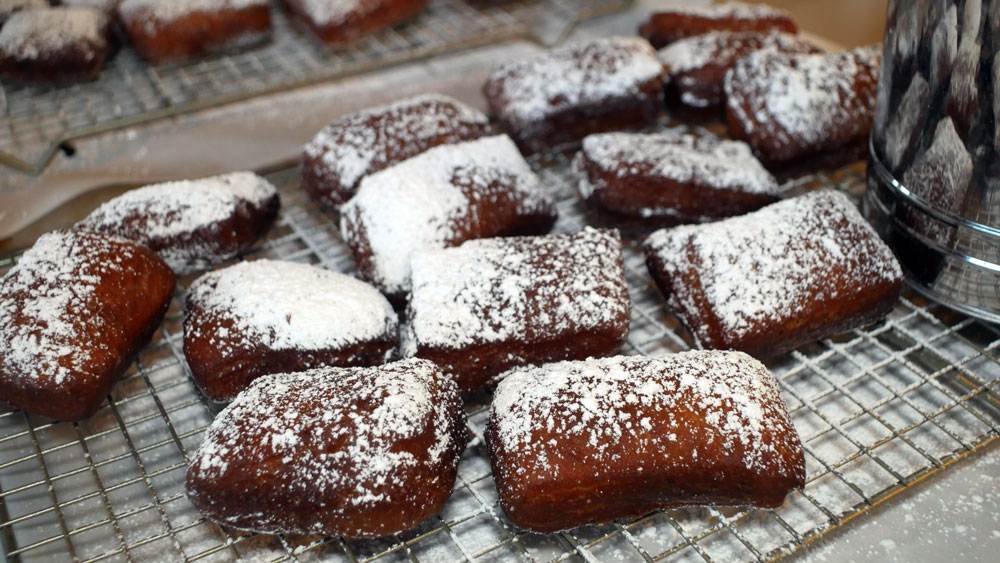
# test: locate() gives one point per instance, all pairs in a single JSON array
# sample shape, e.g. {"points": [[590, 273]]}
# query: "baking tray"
{"points": [[37, 120], [878, 409]]}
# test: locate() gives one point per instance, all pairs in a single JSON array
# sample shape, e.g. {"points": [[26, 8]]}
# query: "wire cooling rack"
{"points": [[36, 120], [878, 410]]}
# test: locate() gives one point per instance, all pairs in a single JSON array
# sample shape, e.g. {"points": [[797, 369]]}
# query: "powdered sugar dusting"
{"points": [[8, 6], [290, 306], [357, 145], [434, 199], [170, 10], [335, 12], [35, 33], [341, 430], [800, 99], [48, 304], [518, 288], [639, 407], [686, 159], [730, 10], [528, 90], [768, 265], [172, 209]]}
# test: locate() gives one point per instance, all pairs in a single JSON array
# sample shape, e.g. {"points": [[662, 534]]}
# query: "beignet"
{"points": [[789, 107], [590, 441], [341, 21], [772, 280], [696, 66], [54, 45], [256, 318], [356, 452], [163, 31], [492, 304], [443, 197], [641, 181], [192, 224], [74, 312], [353, 147], [561, 96], [667, 26]]}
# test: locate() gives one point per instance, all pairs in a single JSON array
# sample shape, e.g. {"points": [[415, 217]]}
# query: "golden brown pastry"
{"points": [[268, 316], [667, 26], [492, 304], [355, 452], [352, 147], [443, 197], [587, 442], [164, 31], [791, 107], [74, 312], [192, 224], [54, 45], [341, 21], [769, 281], [640, 181], [560, 97]]}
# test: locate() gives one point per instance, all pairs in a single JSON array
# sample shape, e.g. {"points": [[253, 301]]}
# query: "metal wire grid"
{"points": [[878, 410], [37, 119]]}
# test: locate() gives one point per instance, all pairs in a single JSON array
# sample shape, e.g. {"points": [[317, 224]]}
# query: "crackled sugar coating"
{"points": [[766, 282], [574, 443], [443, 197], [491, 304], [671, 178], [265, 316], [356, 452], [696, 66], [677, 23], [352, 147], [192, 224], [601, 78], [73, 311], [792, 106], [43, 33]]}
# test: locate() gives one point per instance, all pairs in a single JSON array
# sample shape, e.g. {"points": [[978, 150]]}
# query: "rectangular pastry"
{"points": [[791, 107], [492, 304], [561, 96], [587, 442], [54, 45], [443, 197], [341, 21], [671, 25], [163, 31], [641, 181], [769, 281], [266, 316], [354, 452], [354, 146], [74, 312], [696, 66]]}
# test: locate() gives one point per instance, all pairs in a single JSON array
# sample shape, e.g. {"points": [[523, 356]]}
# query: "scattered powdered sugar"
{"points": [[341, 430], [46, 304], [179, 209], [768, 265], [686, 159], [528, 90], [35, 33], [336, 12], [516, 288], [170, 10], [8, 6], [291, 306], [637, 406], [801, 98], [430, 199], [729, 11], [356, 145], [724, 48]]}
